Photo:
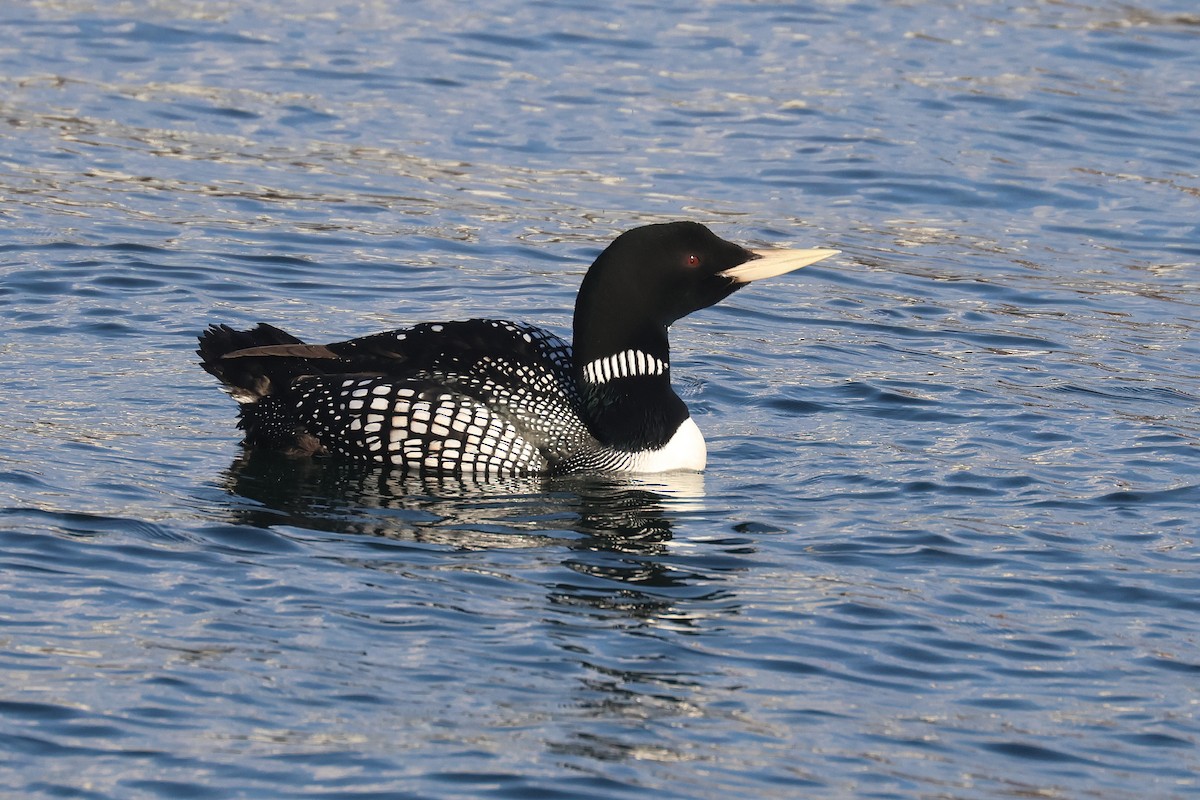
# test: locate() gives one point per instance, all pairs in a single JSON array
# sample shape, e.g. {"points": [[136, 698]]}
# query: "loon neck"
{"points": [[625, 383]]}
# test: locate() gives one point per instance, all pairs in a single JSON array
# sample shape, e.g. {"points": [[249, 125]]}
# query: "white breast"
{"points": [[685, 451]]}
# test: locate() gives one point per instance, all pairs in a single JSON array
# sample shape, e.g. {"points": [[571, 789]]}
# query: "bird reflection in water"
{"points": [[617, 513], [616, 586]]}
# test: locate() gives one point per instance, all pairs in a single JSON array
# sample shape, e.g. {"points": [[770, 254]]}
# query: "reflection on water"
{"points": [[621, 513], [603, 563], [614, 531]]}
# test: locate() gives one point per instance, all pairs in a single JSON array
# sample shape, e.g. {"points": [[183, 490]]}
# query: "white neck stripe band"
{"points": [[626, 364]]}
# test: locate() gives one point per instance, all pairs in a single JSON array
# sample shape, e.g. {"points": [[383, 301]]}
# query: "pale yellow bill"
{"points": [[776, 262]]}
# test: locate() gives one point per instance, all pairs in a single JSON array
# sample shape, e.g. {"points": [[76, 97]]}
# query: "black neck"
{"points": [[626, 406], [638, 413]]}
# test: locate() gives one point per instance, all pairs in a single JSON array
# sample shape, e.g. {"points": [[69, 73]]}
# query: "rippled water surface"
{"points": [[946, 544]]}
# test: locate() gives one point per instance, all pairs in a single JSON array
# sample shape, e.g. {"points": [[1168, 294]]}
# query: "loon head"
{"points": [[648, 277], [644, 280]]}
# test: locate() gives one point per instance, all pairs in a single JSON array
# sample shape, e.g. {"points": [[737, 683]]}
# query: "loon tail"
{"points": [[251, 364]]}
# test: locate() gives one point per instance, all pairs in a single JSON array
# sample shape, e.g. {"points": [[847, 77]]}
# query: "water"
{"points": [[946, 545]]}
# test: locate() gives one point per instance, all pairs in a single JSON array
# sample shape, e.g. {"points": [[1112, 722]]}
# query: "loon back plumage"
{"points": [[498, 397], [475, 395]]}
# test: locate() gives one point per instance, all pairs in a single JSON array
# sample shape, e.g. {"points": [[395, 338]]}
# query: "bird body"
{"points": [[494, 397]]}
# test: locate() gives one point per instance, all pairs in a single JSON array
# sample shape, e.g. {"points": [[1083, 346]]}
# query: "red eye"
{"points": [[693, 260]]}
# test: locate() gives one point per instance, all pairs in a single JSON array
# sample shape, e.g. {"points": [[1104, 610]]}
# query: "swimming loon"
{"points": [[492, 397]]}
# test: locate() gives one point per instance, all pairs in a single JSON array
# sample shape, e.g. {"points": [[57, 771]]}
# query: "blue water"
{"points": [[946, 546]]}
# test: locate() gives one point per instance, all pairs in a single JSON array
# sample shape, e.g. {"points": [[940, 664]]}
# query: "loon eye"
{"points": [[692, 260]]}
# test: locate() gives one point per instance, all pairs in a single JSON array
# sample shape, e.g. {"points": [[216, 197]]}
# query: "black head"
{"points": [[659, 273], [646, 279], [651, 276]]}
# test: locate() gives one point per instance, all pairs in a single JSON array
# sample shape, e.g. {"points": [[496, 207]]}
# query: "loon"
{"points": [[491, 397]]}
